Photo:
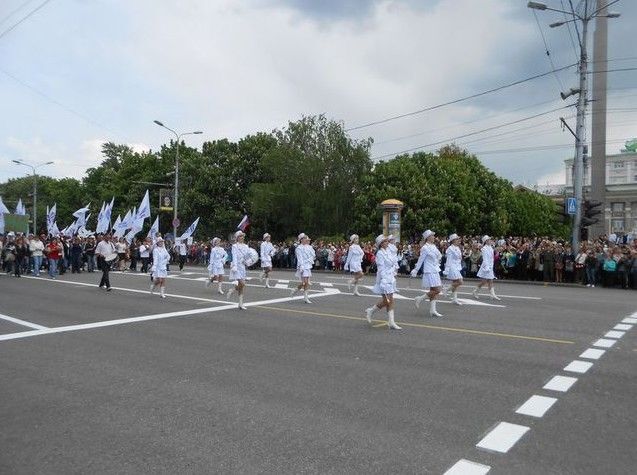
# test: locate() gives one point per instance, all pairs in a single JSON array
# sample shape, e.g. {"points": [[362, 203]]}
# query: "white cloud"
{"points": [[557, 177]]}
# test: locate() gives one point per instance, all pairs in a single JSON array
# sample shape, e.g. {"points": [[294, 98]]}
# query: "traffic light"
{"points": [[561, 215], [590, 209]]}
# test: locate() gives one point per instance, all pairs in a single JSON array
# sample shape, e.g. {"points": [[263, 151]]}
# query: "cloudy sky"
{"points": [[79, 72]]}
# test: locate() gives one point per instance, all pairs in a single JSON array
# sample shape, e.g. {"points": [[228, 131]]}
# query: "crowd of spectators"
{"points": [[607, 261]]}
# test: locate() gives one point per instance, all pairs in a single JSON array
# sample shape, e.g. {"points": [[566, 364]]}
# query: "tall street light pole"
{"points": [[35, 190], [176, 196], [589, 12]]}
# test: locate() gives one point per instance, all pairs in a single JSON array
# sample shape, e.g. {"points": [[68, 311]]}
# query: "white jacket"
{"points": [[218, 256], [267, 251], [161, 258], [454, 258], [355, 255], [305, 256], [429, 260]]}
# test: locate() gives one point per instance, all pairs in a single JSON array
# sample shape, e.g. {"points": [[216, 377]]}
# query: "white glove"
{"points": [[414, 273]]}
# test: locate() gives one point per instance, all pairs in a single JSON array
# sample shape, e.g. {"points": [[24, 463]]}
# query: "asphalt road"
{"points": [[125, 382]]}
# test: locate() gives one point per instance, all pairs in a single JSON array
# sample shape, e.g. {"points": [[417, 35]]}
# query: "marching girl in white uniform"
{"points": [[430, 261], [305, 256], [241, 256], [159, 270], [267, 251], [385, 283], [453, 266], [486, 268], [354, 263], [218, 257]]}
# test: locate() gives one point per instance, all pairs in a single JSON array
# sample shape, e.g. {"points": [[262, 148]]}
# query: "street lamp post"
{"points": [[580, 128], [176, 196], [35, 190]]}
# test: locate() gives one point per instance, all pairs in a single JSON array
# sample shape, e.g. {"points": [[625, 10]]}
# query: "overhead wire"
{"points": [[547, 51], [23, 19], [14, 11]]}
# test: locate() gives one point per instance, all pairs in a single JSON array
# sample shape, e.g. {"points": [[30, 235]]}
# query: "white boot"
{"points": [[219, 289], [294, 291], [152, 288], [230, 292], [475, 293], [267, 282], [454, 298], [208, 283], [493, 295], [432, 309], [356, 290], [306, 298], [391, 322], [261, 277], [369, 312], [241, 306], [418, 300], [162, 291]]}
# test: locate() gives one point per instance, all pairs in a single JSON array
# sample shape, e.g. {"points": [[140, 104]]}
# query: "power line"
{"points": [[456, 101], [548, 53], [570, 33], [25, 18], [495, 127], [14, 11], [539, 148]]}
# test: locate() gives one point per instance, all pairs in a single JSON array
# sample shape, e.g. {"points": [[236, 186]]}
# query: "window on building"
{"points": [[617, 225], [618, 164], [617, 207]]}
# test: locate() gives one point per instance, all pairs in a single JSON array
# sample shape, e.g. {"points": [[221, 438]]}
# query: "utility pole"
{"points": [[35, 190], [598, 123], [589, 9]]}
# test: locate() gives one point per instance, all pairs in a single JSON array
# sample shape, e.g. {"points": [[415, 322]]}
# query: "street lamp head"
{"points": [[48, 163], [158, 123], [198, 132], [613, 15], [536, 5], [556, 24], [17, 161]]}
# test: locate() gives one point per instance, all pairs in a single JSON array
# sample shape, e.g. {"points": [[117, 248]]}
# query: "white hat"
{"points": [[391, 237], [453, 237], [379, 239], [266, 235], [485, 238], [216, 240], [428, 233], [238, 234], [352, 237], [159, 239], [303, 236]]}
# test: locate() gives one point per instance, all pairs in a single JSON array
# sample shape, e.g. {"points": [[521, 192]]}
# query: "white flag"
{"points": [[20, 209], [191, 230], [144, 207], [127, 222], [154, 229], [80, 213], [50, 217], [54, 231], [3, 207], [117, 223]]}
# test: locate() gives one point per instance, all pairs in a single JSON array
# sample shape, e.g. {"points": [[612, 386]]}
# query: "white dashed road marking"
{"points": [[630, 320], [614, 334], [503, 437], [578, 366], [592, 354], [467, 467], [536, 406], [560, 383], [622, 326], [605, 343]]}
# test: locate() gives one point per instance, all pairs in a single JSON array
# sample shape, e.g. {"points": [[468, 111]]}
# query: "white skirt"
{"points": [[160, 274], [486, 273], [384, 287], [355, 267], [239, 274], [215, 270], [430, 280], [266, 263], [453, 274], [300, 273]]}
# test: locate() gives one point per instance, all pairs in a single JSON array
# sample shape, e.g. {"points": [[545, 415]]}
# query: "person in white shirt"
{"points": [[354, 263], [486, 268], [385, 283], [453, 266], [37, 249], [218, 257], [159, 271], [267, 251], [106, 254], [429, 260], [305, 256], [241, 257], [144, 254], [122, 250], [182, 250]]}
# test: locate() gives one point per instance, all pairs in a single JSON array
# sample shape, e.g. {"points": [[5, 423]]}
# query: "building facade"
{"points": [[620, 207]]}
